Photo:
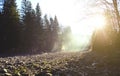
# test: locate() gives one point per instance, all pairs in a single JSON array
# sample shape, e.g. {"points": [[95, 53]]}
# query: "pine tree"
{"points": [[57, 37], [39, 29], [10, 24], [1, 32], [51, 34], [28, 19], [39, 20], [56, 28], [46, 23], [47, 34]]}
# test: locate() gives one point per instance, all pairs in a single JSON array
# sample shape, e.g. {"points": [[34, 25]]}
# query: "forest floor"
{"points": [[60, 64]]}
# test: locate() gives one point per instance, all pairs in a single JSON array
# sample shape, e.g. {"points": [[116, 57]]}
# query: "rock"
{"points": [[25, 74], [48, 74], [8, 74], [11, 67], [18, 74], [44, 74], [3, 71]]}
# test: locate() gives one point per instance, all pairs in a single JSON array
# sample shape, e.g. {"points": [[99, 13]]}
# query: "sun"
{"points": [[98, 21], [88, 25]]}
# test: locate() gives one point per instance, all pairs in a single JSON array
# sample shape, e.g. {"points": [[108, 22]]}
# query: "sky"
{"points": [[68, 12]]}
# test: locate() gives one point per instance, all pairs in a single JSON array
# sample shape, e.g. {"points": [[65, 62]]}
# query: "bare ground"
{"points": [[60, 64]]}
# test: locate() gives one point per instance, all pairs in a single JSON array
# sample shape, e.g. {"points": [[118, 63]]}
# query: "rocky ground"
{"points": [[60, 64]]}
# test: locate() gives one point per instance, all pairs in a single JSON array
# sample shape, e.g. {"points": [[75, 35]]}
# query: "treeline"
{"points": [[27, 31]]}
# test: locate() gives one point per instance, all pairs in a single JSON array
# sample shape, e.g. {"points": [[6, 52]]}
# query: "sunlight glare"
{"points": [[88, 25], [82, 32], [98, 21]]}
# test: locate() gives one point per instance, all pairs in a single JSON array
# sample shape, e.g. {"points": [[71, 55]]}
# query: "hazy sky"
{"points": [[68, 12]]}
